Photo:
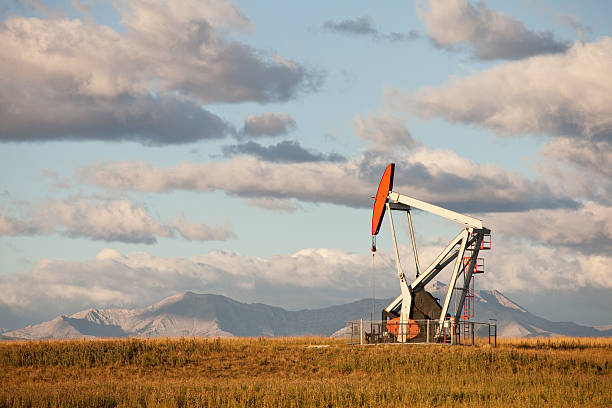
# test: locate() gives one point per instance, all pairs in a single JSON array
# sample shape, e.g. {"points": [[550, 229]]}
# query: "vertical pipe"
{"points": [[428, 320], [373, 299], [414, 248], [406, 295], [400, 272]]}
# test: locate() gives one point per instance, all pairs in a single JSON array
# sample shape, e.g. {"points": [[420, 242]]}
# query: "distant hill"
{"points": [[208, 315]]}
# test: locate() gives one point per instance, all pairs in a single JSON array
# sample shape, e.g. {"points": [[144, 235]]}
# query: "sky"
{"points": [[151, 147]]}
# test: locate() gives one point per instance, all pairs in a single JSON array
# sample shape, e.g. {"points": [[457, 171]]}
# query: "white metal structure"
{"points": [[469, 238]]}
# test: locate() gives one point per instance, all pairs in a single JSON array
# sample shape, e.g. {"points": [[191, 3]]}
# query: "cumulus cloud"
{"points": [[384, 132], [521, 267], [200, 232], [75, 79], [117, 220], [106, 220], [437, 176], [562, 95], [364, 26], [268, 124], [303, 279], [307, 278], [286, 151], [488, 34], [587, 229]]}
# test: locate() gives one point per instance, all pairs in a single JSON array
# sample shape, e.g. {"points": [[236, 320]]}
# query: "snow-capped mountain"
{"points": [[515, 321], [207, 315]]}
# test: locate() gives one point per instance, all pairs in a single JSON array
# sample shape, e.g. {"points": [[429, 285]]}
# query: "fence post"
{"points": [[493, 322], [496, 333], [472, 333], [361, 331], [452, 331], [427, 341]]}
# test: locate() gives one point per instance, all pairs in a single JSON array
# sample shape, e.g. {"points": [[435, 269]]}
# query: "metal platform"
{"points": [[448, 332]]}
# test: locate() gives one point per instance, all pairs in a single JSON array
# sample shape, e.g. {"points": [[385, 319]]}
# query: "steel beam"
{"points": [[434, 209]]}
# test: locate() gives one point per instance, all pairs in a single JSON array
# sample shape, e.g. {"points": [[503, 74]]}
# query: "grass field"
{"points": [[288, 373]]}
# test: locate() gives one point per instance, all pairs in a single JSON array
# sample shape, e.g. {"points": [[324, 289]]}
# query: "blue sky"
{"points": [[150, 148]]}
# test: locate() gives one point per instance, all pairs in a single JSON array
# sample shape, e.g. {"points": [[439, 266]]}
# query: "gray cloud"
{"points": [[268, 124], [436, 176], [151, 121], [580, 28], [579, 167], [106, 220], [75, 79], [13, 227], [395, 36], [360, 26], [364, 26], [286, 151], [488, 34], [384, 132], [593, 156], [275, 204]]}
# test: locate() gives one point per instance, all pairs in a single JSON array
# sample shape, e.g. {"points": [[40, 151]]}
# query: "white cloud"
{"points": [[489, 34], [117, 220], [138, 279], [587, 229], [566, 94], [244, 176], [200, 232], [75, 79], [523, 265], [526, 267], [107, 220], [307, 278]]}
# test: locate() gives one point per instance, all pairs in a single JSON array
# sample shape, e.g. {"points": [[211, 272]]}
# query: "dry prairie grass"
{"points": [[286, 372]]}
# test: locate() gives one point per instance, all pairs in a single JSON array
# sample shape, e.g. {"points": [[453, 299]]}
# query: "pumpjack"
{"points": [[415, 302]]}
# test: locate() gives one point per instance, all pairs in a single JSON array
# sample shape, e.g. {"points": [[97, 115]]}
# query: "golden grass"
{"points": [[287, 373]]}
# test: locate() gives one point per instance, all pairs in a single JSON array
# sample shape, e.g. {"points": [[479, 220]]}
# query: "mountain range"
{"points": [[209, 315]]}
